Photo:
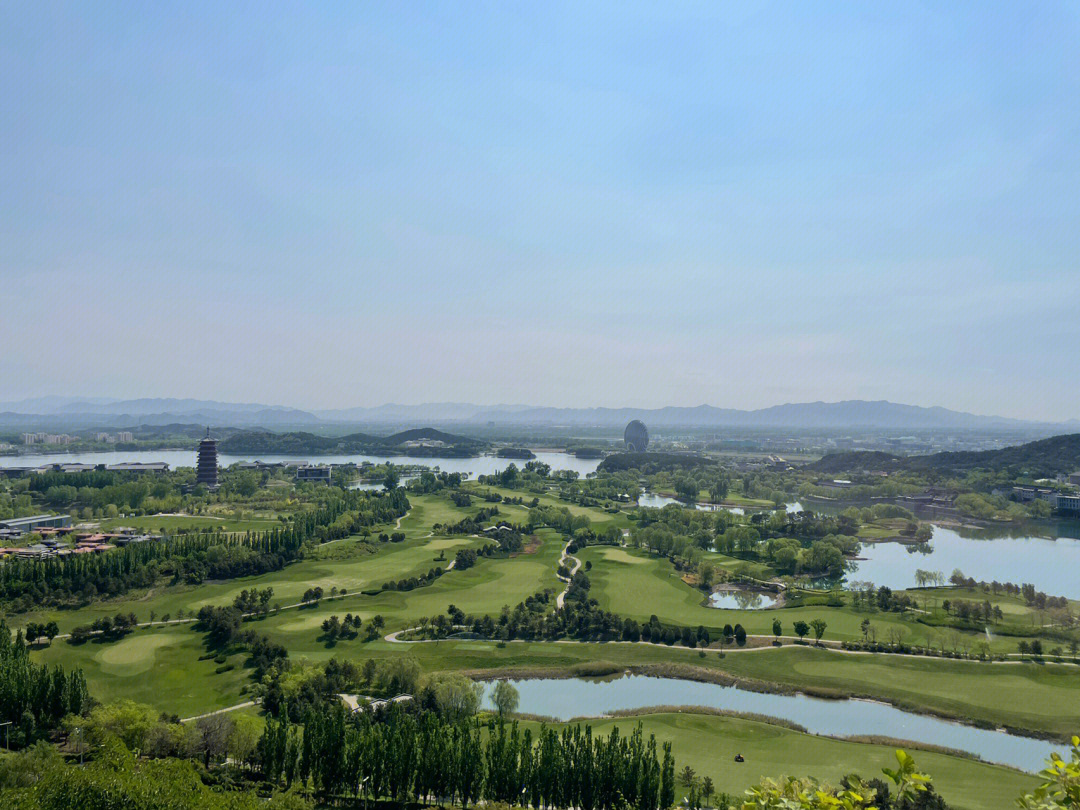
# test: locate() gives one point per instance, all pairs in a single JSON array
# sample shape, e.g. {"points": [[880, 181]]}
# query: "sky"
{"points": [[580, 204]]}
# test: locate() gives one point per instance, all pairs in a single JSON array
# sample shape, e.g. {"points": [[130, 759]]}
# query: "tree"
{"points": [[1062, 786], [740, 635], [777, 630], [667, 778], [505, 697], [707, 789], [391, 479], [801, 629], [819, 626], [210, 737]]}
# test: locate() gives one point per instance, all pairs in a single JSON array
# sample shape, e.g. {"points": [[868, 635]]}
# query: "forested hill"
{"points": [[1045, 458], [297, 442]]}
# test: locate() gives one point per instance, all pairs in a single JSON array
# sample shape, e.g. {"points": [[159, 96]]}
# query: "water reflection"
{"points": [[742, 600], [565, 699]]}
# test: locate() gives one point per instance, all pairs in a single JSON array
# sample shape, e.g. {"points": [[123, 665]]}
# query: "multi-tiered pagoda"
{"points": [[206, 471]]}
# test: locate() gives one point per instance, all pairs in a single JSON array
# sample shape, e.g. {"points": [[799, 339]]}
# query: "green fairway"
{"points": [[169, 524], [708, 744], [635, 584], [1040, 698], [158, 666]]}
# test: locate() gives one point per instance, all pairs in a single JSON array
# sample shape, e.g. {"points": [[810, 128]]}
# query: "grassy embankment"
{"points": [[708, 744]]}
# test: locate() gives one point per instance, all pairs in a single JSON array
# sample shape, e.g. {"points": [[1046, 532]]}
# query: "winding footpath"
{"points": [[562, 561]]}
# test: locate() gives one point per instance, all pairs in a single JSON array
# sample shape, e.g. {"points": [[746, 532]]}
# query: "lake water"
{"points": [[742, 600], [1006, 554], [654, 501], [1052, 566], [566, 699], [477, 465]]}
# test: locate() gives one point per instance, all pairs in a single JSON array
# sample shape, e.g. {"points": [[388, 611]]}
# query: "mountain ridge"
{"points": [[833, 415]]}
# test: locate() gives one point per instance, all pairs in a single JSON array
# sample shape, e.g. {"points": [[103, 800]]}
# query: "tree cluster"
{"points": [[423, 757]]}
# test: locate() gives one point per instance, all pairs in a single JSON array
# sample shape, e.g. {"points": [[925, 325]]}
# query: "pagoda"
{"points": [[206, 470]]}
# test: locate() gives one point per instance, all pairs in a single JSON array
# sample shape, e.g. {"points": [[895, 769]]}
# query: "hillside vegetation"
{"points": [[1045, 458], [295, 442]]}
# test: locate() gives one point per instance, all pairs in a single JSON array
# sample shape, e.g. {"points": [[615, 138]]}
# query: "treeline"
{"points": [[192, 558], [34, 698], [423, 758], [579, 618], [1034, 598]]}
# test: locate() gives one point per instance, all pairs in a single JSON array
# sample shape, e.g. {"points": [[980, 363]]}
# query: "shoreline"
{"points": [[689, 672]]}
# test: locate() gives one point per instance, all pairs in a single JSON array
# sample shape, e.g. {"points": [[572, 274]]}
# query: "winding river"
{"points": [[579, 697]]}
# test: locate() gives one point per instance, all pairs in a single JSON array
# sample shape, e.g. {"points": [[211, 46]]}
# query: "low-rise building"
{"points": [[1027, 494], [315, 473], [136, 466], [1068, 503], [35, 522]]}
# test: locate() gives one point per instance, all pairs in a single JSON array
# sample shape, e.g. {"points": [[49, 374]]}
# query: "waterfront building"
{"points": [[314, 472], [206, 469]]}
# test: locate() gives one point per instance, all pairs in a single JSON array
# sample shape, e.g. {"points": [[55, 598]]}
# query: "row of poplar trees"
{"points": [[34, 698], [423, 757]]}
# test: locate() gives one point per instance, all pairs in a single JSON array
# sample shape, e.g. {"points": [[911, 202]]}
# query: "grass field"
{"points": [[161, 666], [708, 744], [158, 666], [635, 584], [169, 524]]}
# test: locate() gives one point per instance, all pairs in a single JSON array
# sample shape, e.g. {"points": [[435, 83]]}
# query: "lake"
{"points": [[654, 501], [1005, 554], [742, 600], [477, 465], [578, 697]]}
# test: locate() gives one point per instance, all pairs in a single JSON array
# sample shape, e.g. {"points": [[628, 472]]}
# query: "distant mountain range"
{"points": [[825, 415], [83, 412]]}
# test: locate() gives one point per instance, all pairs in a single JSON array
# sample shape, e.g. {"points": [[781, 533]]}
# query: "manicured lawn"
{"points": [[1037, 697], [172, 523], [158, 666], [161, 667], [708, 744], [635, 584]]}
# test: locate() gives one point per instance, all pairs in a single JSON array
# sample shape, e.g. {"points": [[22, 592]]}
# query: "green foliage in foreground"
{"points": [[34, 698], [116, 780], [417, 757]]}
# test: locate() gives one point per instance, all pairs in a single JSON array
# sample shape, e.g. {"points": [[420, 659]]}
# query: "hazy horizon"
{"points": [[338, 206]]}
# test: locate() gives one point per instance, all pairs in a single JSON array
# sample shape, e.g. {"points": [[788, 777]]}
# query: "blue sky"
{"points": [[566, 204]]}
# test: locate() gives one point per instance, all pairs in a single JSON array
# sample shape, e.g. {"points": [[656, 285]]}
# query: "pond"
{"points": [[578, 697], [474, 466], [738, 599], [654, 501]]}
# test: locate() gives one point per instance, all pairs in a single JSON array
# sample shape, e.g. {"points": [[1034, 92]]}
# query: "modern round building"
{"points": [[636, 436]]}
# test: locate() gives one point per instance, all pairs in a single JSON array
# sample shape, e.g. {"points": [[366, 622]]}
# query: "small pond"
{"points": [[739, 599], [655, 501]]}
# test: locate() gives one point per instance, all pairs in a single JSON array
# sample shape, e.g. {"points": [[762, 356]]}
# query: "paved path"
{"points": [[243, 705], [562, 561], [829, 646], [353, 701]]}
